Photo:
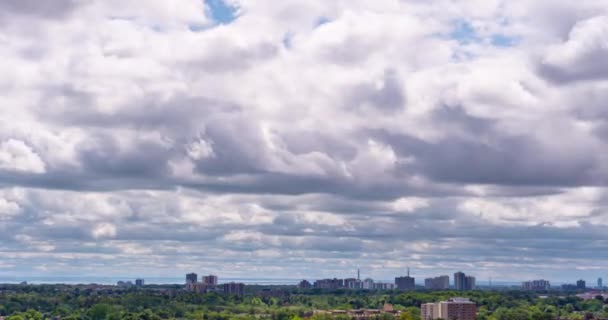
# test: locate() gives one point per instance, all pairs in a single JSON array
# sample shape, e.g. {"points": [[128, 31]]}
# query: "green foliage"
{"points": [[81, 303]]}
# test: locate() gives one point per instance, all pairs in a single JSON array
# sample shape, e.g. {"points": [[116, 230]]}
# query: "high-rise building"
{"points": [[234, 289], [368, 284], [139, 282], [470, 283], [453, 309], [191, 278], [460, 281], [210, 280], [405, 283], [536, 285], [437, 283], [600, 283], [463, 282], [580, 284]]}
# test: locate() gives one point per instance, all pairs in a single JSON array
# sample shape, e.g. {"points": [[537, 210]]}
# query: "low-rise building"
{"points": [[536, 285], [210, 280], [361, 314], [384, 286], [353, 283], [234, 289], [437, 283], [304, 284], [329, 284]]}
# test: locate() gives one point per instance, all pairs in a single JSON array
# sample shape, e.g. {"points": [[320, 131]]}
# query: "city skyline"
{"points": [[304, 138], [429, 281]]}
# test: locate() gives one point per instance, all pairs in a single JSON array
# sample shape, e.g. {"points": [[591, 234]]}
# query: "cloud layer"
{"points": [[304, 138]]}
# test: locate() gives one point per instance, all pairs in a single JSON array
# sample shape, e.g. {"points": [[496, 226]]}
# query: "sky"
{"points": [[304, 139]]}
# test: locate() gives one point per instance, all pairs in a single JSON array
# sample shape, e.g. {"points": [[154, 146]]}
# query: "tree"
{"points": [[99, 311]]}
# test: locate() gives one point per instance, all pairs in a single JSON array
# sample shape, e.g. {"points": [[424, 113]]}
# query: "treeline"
{"points": [[81, 303]]}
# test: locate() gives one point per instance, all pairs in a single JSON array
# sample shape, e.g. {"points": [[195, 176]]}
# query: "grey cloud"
{"points": [[490, 157], [389, 97], [43, 9], [102, 155], [582, 56], [302, 142], [238, 148], [230, 57], [249, 203], [179, 115]]}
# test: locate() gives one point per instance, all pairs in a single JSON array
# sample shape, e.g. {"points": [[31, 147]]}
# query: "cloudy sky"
{"points": [[304, 138]]}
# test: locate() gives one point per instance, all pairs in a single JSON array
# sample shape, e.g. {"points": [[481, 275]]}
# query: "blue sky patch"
{"points": [[501, 40], [464, 33], [321, 21], [221, 12]]}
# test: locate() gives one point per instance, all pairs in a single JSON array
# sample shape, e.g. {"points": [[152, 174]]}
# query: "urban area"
{"points": [[458, 297]]}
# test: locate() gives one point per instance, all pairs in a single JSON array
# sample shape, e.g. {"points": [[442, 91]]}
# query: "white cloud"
{"points": [[104, 230], [15, 155], [299, 130], [8, 209], [581, 57]]}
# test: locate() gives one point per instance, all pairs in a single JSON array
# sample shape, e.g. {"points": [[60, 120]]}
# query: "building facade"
{"points": [[453, 309], [462, 282], [429, 311], [580, 284], [470, 283], [405, 283], [352, 283], [536, 285], [329, 284], [139, 282], [384, 286]]}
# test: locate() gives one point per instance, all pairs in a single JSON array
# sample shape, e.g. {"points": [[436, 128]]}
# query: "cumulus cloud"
{"points": [[442, 135], [15, 155], [581, 57], [104, 230]]}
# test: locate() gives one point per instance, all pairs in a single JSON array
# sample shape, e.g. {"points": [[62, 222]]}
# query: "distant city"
{"points": [[454, 308], [460, 282]]}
